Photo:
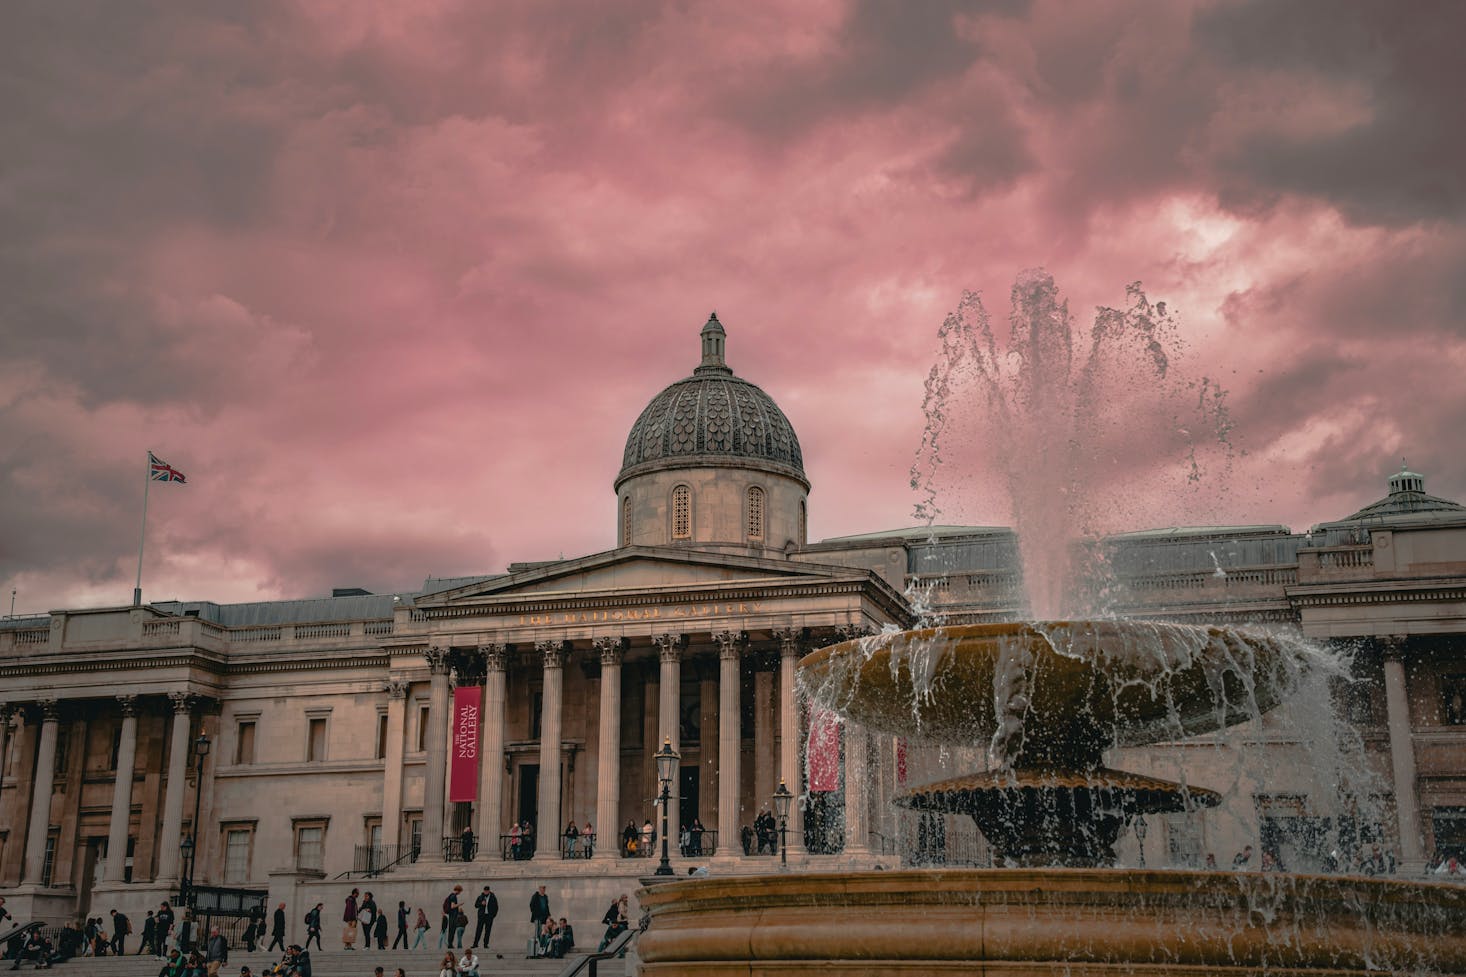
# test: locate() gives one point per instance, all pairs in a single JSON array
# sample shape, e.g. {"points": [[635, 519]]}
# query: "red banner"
{"points": [[463, 777], [823, 754]]}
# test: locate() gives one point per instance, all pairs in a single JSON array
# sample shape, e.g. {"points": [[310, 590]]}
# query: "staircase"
{"points": [[333, 963]]}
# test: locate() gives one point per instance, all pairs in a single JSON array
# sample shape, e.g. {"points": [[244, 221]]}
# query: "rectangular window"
{"points": [[116, 748], [536, 714], [49, 864], [382, 736], [682, 512], [244, 742], [422, 727], [315, 747], [414, 832], [1449, 827], [63, 748], [236, 856], [1184, 840], [310, 847]]}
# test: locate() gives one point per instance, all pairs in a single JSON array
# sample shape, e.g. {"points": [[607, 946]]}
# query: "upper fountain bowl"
{"points": [[1056, 694]]}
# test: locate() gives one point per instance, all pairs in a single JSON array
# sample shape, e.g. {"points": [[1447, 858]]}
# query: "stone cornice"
{"points": [[208, 661], [1372, 592]]}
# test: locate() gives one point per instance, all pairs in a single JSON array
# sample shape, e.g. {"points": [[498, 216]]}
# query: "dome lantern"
{"points": [[713, 339]]}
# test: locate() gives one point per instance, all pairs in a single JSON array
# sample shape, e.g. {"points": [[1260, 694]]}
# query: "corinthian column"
{"points": [[178, 752], [669, 715], [1402, 758], [114, 868], [608, 755], [791, 772], [729, 743], [35, 839], [396, 690], [857, 768], [491, 761], [435, 770], [547, 819]]}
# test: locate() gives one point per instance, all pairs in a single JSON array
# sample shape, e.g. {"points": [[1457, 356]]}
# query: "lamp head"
{"points": [[201, 746], [667, 760], [187, 846], [782, 801]]}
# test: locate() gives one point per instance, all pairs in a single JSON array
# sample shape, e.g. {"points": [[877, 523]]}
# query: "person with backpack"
{"points": [[313, 926], [450, 918]]}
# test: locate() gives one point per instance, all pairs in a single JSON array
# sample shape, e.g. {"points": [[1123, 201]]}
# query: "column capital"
{"points": [[437, 659], [127, 702], [730, 644], [495, 655], [669, 647], [182, 702], [396, 688], [554, 653], [849, 632], [7, 709], [50, 709], [611, 649], [1393, 645], [791, 642]]}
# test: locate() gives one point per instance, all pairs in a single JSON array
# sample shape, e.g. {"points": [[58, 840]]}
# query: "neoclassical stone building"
{"points": [[329, 721]]}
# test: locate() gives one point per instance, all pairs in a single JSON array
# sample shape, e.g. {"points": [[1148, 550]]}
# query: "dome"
{"points": [[712, 418]]}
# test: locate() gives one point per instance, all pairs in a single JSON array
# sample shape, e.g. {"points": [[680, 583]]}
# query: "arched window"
{"points": [[803, 526], [755, 509], [682, 512], [626, 521]]}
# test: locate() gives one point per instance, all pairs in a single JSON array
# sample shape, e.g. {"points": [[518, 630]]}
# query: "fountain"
{"points": [[1048, 699]]}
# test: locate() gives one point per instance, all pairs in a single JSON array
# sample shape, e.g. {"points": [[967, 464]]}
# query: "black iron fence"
{"points": [[516, 847], [577, 846], [373, 860]]}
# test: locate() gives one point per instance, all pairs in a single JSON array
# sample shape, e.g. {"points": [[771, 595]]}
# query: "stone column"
{"points": [[392, 763], [608, 758], [179, 745], [1402, 758], [547, 821], [35, 839], [434, 769], [5, 712], [729, 743], [491, 759], [857, 777], [669, 725], [765, 764], [791, 772], [115, 867]]}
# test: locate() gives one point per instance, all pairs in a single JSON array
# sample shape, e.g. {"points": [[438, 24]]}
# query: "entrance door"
{"points": [[687, 807], [94, 858], [529, 803]]}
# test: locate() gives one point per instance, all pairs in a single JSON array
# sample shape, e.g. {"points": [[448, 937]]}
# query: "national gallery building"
{"points": [[298, 748]]}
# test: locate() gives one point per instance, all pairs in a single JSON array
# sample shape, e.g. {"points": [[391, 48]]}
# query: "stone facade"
{"points": [[328, 719]]}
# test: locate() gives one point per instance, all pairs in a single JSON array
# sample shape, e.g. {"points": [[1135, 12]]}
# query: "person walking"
{"points": [[313, 926], [277, 929], [121, 926], [401, 936], [421, 927], [486, 907], [150, 931]]}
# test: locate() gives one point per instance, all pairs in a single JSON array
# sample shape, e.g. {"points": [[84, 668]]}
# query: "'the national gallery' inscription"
{"points": [[673, 612]]}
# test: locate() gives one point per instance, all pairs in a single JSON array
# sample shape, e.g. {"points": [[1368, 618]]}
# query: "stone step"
{"points": [[332, 963]]}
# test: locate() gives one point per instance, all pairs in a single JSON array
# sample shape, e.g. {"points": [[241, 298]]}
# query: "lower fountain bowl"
{"points": [[1052, 921]]}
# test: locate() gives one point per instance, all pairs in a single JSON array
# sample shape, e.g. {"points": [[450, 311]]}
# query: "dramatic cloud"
{"points": [[391, 282]]}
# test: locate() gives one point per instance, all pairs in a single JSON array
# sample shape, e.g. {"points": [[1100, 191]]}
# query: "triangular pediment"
{"points": [[639, 568]]}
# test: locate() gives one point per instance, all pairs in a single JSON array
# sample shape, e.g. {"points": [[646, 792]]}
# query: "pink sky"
{"points": [[391, 282]]}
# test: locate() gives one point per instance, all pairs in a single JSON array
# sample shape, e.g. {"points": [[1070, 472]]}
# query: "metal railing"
{"points": [[516, 848], [454, 850], [577, 846], [589, 962], [373, 860], [699, 844]]}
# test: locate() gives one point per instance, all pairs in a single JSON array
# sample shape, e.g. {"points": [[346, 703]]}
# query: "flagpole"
{"points": [[137, 590]]}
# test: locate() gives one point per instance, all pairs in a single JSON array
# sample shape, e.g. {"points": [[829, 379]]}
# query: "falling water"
{"points": [[1078, 424]]}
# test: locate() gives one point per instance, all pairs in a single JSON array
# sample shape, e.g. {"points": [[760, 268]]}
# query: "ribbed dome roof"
{"points": [[712, 413]]}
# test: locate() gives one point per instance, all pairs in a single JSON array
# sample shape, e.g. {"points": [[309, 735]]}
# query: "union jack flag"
{"points": [[161, 471]]}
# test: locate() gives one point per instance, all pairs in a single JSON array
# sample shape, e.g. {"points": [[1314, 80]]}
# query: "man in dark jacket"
{"points": [[216, 955], [487, 906], [539, 909], [120, 928], [150, 934], [277, 929]]}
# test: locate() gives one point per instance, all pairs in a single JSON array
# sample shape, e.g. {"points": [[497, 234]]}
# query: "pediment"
{"points": [[639, 568]]}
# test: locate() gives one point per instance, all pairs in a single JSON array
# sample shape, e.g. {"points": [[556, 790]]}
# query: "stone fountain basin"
{"points": [[1087, 684], [1075, 922]]}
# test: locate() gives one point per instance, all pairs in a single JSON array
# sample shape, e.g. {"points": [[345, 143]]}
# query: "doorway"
{"points": [[529, 803]]}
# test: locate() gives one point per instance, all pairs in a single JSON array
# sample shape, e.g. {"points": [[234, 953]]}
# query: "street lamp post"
{"points": [[782, 801], [1140, 828], [190, 844], [667, 761]]}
